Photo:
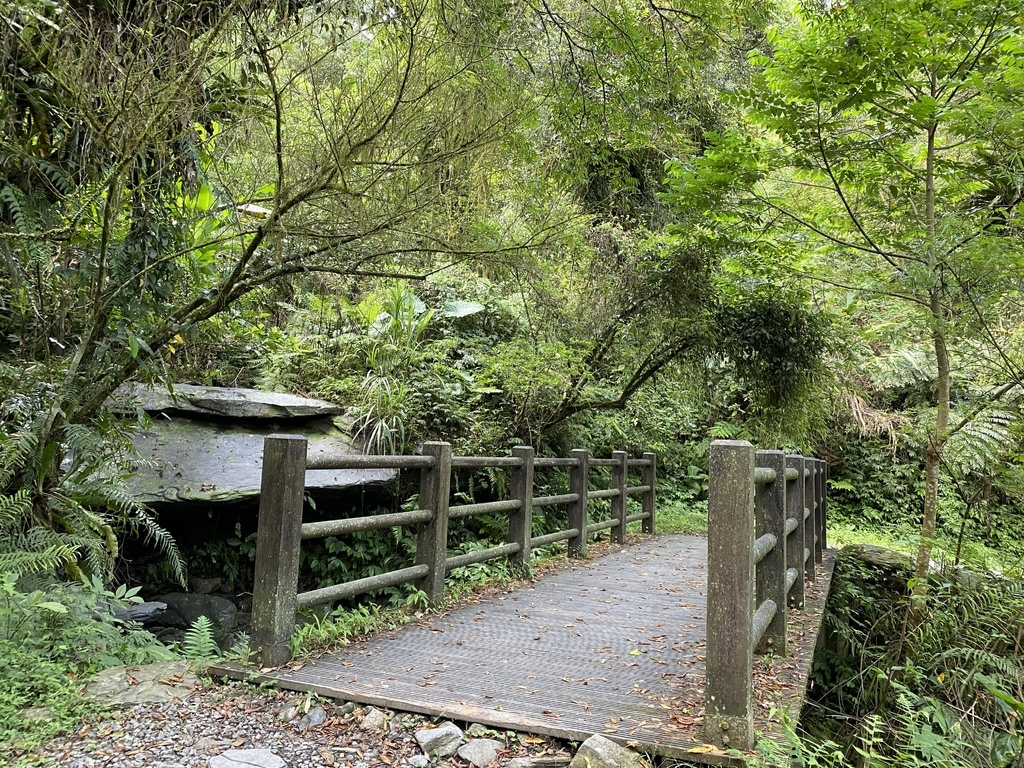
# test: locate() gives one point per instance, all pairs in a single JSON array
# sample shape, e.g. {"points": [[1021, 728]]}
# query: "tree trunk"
{"points": [[933, 456]]}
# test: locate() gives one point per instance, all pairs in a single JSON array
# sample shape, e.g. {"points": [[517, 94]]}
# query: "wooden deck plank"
{"points": [[612, 645]]}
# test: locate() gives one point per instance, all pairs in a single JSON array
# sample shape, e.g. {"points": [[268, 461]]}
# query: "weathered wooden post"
{"points": [[432, 539], [819, 499], [728, 719], [620, 475], [808, 521], [771, 531], [824, 506], [647, 501], [278, 539], [795, 541], [577, 545], [520, 521]]}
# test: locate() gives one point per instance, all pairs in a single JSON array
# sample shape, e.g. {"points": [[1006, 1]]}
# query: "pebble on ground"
{"points": [[216, 718]]}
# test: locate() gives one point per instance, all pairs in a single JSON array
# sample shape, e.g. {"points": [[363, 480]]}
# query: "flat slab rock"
{"points": [[216, 461], [224, 402], [146, 684]]}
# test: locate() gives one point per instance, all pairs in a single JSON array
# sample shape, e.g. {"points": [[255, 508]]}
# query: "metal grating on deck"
{"points": [[613, 645]]}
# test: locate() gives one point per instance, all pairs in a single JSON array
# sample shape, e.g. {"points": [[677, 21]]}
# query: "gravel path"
{"points": [[218, 717]]}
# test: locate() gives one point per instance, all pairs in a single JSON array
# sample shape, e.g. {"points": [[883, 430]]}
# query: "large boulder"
{"points": [[151, 612], [183, 608]]}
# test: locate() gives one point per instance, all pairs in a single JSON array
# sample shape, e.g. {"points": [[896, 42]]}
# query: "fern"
{"points": [[975, 446], [199, 643], [68, 518]]}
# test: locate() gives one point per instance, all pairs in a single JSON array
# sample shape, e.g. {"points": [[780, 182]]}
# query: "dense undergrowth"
{"points": [[907, 682]]}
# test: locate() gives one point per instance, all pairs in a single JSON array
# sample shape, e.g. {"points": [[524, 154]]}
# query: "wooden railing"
{"points": [[281, 530], [766, 533]]}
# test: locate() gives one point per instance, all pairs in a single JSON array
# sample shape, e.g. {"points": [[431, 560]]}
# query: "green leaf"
{"points": [[462, 308], [51, 606]]}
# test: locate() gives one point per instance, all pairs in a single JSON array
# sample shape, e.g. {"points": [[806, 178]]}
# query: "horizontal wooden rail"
{"points": [[481, 556], [763, 546], [765, 534], [370, 523], [485, 462], [762, 618], [551, 538], [792, 574], [550, 501], [602, 526], [555, 462], [348, 461], [280, 529], [360, 586], [484, 508]]}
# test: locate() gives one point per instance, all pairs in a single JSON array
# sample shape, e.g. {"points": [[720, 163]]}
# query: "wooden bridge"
{"points": [[651, 644]]}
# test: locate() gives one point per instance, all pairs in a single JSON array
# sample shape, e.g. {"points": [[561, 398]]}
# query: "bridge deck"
{"points": [[614, 645]]}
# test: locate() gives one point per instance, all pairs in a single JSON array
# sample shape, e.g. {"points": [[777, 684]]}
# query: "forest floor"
{"points": [[218, 717]]}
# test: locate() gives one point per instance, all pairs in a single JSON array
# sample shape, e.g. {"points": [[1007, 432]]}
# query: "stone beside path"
{"points": [[169, 719]]}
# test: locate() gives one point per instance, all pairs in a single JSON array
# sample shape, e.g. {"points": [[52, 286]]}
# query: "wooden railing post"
{"points": [[809, 525], [824, 506], [620, 476], [578, 509], [432, 539], [795, 542], [520, 521], [728, 720], [278, 539], [819, 499], [647, 501], [771, 571]]}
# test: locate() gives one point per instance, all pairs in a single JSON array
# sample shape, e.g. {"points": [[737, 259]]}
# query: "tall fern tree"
{"points": [[886, 140]]}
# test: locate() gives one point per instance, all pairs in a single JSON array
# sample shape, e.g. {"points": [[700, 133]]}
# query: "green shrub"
{"points": [[52, 637]]}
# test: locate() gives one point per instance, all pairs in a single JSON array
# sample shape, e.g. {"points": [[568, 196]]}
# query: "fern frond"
{"points": [[16, 451], [976, 445], [199, 643], [14, 509], [26, 562]]}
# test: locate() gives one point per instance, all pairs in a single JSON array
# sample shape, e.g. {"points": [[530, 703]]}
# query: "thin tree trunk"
{"points": [[933, 456]]}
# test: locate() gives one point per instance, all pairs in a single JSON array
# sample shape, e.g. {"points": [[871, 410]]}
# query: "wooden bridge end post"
{"points": [[620, 475], [520, 521], [278, 541], [650, 478], [808, 523], [577, 546], [795, 541], [728, 716], [771, 571], [432, 538]]}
